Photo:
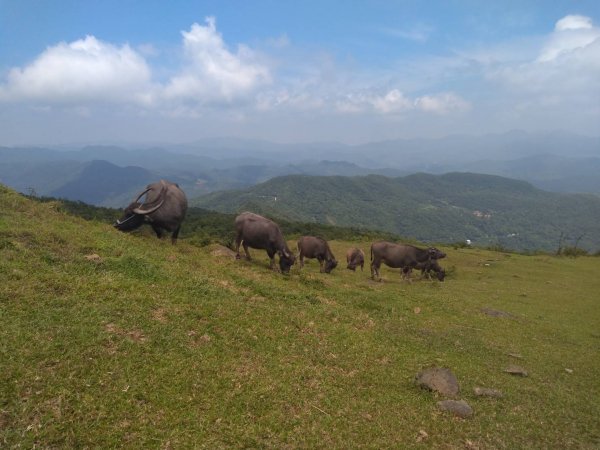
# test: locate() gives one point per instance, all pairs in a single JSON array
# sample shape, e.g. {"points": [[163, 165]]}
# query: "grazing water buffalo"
{"points": [[355, 257], [164, 208], [315, 247], [402, 256], [426, 269], [259, 232]]}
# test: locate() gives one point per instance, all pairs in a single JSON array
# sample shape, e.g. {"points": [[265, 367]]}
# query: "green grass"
{"points": [[160, 346]]}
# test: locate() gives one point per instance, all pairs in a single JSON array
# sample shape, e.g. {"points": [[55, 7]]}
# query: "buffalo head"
{"points": [[135, 214], [286, 260], [330, 265]]}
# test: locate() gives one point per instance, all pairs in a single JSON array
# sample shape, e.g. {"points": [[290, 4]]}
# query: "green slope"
{"points": [[148, 345], [489, 210]]}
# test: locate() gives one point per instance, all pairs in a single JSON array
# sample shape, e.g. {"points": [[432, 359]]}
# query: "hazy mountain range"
{"points": [[111, 175]]}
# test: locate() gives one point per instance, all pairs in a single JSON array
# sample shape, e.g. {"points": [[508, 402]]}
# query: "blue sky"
{"points": [[149, 71]]}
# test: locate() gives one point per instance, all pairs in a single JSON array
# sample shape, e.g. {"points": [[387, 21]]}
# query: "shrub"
{"points": [[573, 252]]}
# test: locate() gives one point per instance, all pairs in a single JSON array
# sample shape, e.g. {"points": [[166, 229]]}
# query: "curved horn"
{"points": [[148, 211], [141, 195], [161, 196]]}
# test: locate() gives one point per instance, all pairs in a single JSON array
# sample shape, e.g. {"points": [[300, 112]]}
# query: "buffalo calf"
{"points": [[315, 247]]}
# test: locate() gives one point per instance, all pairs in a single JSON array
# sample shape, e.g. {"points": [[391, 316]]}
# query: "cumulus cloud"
{"points": [[571, 33], [567, 69], [89, 71], [213, 73], [81, 71]]}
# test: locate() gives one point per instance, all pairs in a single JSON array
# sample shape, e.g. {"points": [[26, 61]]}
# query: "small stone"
{"points": [[422, 435], [487, 392], [516, 370], [516, 355], [459, 408], [438, 379], [569, 370], [417, 310]]}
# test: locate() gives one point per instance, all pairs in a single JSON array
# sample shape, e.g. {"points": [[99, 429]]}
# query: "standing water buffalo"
{"points": [[403, 256], [259, 232], [355, 257], [164, 209], [315, 247]]}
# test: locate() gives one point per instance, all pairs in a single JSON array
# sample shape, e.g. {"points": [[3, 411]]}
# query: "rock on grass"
{"points": [[487, 392], [439, 379], [516, 370], [459, 408]]}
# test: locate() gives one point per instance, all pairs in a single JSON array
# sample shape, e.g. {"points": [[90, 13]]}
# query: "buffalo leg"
{"points": [[238, 241], [272, 260], [246, 251], [406, 272], [157, 230], [175, 235], [362, 266], [375, 269], [301, 259]]}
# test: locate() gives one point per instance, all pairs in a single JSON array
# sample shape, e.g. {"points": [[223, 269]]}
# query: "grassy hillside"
{"points": [[114, 340], [487, 209]]}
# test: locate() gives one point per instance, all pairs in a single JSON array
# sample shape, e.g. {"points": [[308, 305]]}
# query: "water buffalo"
{"points": [[426, 269], [259, 232], [164, 208], [315, 247], [355, 257], [402, 256]]}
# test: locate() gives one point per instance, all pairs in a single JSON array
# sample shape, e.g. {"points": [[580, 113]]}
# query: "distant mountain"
{"points": [[105, 184], [486, 209], [549, 172], [409, 155], [69, 174]]}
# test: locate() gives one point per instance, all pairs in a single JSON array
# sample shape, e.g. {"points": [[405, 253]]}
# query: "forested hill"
{"points": [[487, 209]]}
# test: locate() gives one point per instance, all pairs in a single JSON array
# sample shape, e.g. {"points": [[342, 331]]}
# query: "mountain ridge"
{"points": [[486, 209]]}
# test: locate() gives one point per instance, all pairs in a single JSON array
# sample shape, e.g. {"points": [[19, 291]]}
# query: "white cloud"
{"points": [[394, 102], [213, 73], [573, 22], [562, 81], [570, 34], [444, 103], [81, 71], [284, 98], [89, 71]]}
